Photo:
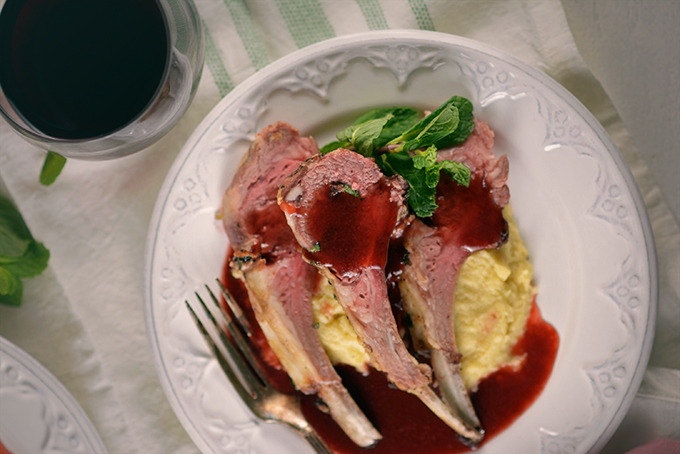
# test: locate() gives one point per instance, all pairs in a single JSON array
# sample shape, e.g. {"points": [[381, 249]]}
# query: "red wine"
{"points": [[77, 69]]}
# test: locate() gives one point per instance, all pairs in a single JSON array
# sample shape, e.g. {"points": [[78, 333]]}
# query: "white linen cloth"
{"points": [[83, 317]]}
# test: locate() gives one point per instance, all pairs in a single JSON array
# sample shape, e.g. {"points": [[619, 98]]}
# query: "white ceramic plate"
{"points": [[574, 199], [37, 414]]}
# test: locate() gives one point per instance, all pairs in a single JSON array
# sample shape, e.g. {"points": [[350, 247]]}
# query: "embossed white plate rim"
{"points": [[395, 37], [53, 391]]}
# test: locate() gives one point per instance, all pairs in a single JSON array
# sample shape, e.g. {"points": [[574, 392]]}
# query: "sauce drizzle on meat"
{"points": [[353, 225]]}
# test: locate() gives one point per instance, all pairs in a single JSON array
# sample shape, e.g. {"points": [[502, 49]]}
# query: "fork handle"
{"points": [[314, 440]]}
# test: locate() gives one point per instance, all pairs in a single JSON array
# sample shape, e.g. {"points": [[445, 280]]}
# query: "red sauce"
{"points": [[3, 450], [268, 359], [507, 393], [407, 425], [468, 213], [269, 227], [354, 232]]}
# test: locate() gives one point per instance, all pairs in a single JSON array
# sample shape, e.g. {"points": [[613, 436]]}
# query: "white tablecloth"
{"points": [[83, 317]]}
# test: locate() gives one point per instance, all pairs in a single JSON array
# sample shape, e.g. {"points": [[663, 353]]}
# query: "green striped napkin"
{"points": [[244, 36]]}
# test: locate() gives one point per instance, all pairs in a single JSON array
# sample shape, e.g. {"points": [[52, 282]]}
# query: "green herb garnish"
{"points": [[20, 255], [340, 187], [51, 168], [403, 144], [422, 172]]}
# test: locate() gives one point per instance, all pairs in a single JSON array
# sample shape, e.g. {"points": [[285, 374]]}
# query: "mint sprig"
{"points": [[422, 172], [403, 144], [362, 137], [20, 255], [430, 130]]}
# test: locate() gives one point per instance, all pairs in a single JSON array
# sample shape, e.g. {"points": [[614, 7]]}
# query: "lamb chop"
{"points": [[467, 220], [280, 283], [343, 212]]}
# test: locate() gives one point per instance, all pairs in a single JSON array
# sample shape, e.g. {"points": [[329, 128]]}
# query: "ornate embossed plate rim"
{"points": [[244, 92], [29, 373]]}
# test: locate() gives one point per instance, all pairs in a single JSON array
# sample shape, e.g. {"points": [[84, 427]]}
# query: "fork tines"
{"points": [[260, 396], [236, 343]]}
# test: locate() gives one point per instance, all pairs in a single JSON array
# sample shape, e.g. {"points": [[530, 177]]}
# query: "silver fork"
{"points": [[255, 389]]}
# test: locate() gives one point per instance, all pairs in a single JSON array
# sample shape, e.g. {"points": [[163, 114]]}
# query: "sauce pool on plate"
{"points": [[407, 425]]}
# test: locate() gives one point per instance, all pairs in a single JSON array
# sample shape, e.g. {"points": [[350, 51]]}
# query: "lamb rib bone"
{"points": [[343, 211], [279, 282], [467, 220]]}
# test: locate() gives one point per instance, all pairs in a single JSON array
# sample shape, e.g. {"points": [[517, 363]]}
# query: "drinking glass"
{"points": [[111, 65]]}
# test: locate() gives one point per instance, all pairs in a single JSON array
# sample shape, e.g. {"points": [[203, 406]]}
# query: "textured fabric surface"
{"points": [[83, 318]]}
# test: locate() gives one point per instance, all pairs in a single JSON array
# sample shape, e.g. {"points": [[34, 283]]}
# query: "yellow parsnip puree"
{"points": [[492, 302], [491, 306]]}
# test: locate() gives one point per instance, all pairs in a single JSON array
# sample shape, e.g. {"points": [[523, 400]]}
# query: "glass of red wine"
{"points": [[97, 79]]}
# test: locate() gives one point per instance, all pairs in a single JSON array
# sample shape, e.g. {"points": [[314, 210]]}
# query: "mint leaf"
{"points": [[8, 282], [374, 129], [375, 114], [11, 246], [14, 235], [432, 177], [20, 255], [431, 130], [333, 146], [51, 168], [421, 197], [422, 172], [11, 288], [402, 119], [362, 136], [410, 146], [459, 172], [11, 220], [458, 131], [425, 159], [466, 123], [32, 263]]}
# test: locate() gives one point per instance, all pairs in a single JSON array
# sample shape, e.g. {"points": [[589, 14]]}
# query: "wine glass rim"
{"points": [[12, 115]]}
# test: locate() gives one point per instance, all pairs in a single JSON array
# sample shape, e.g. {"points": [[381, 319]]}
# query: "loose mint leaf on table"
{"points": [[32, 263], [11, 245], [11, 288], [8, 282], [11, 219], [20, 255], [51, 168]]}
